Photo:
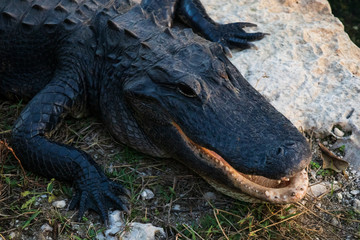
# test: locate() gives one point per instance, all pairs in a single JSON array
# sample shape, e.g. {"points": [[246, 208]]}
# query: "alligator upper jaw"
{"points": [[245, 187]]}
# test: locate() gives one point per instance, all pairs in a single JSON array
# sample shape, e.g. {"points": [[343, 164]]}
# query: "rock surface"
{"points": [[318, 190], [117, 229], [308, 68]]}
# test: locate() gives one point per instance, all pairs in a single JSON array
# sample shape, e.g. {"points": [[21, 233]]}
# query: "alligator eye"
{"points": [[186, 90]]}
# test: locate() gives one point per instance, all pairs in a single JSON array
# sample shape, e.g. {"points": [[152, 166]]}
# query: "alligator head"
{"points": [[185, 100]]}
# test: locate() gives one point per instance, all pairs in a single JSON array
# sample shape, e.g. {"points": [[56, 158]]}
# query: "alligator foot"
{"points": [[99, 194], [232, 35]]}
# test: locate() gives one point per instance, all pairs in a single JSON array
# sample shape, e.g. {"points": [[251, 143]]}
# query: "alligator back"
{"points": [[31, 34], [49, 14]]}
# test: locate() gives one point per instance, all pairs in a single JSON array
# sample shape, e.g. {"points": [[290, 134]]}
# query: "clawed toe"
{"points": [[233, 35], [100, 198]]}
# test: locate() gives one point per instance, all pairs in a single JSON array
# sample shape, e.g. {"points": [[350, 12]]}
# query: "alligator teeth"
{"points": [[285, 179]]}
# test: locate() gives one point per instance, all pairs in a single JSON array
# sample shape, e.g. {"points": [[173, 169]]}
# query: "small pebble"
{"points": [[147, 194], [59, 204], [356, 205], [46, 228], [209, 196], [317, 190], [176, 207], [338, 132], [12, 235], [339, 196], [355, 192], [334, 221], [325, 143]]}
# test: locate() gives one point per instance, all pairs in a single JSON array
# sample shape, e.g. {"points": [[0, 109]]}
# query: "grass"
{"points": [[26, 199]]}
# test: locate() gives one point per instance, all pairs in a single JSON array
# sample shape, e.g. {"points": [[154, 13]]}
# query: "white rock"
{"points": [[147, 194], [356, 205], [46, 228], [176, 207], [142, 231], [12, 235], [308, 67], [338, 132], [339, 196], [334, 221], [209, 196], [313, 174], [317, 190], [355, 192], [59, 204], [119, 230]]}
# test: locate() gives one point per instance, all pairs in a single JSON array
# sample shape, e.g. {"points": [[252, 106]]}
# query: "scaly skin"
{"points": [[165, 92]]}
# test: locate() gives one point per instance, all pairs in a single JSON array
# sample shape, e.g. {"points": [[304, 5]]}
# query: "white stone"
{"points": [[355, 192], [59, 204], [12, 235], [356, 205], [142, 231], [209, 196], [117, 229], [317, 190], [46, 228], [147, 194], [339, 196], [338, 132], [176, 207], [308, 68]]}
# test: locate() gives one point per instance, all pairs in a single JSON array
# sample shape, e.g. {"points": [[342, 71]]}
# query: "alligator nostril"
{"points": [[280, 151], [290, 144]]}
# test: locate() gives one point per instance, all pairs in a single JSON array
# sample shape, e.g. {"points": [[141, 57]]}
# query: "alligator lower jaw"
{"points": [[250, 188]]}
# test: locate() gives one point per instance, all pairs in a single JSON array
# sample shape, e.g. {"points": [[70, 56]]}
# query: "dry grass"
{"points": [[174, 185]]}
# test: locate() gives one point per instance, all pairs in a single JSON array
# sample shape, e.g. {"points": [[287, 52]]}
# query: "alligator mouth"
{"points": [[245, 187]]}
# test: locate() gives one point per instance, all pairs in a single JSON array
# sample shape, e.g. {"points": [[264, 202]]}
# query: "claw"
{"points": [[82, 205], [98, 193], [74, 201], [250, 36], [126, 209], [102, 211], [253, 46], [232, 35], [118, 202], [246, 24], [121, 189], [227, 52]]}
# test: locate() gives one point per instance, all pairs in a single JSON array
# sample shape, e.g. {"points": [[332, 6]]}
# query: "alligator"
{"points": [[158, 76]]}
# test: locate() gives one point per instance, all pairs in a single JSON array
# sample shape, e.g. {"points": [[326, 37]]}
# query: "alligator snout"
{"points": [[287, 159]]}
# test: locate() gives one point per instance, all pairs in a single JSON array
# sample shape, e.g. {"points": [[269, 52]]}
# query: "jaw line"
{"points": [[249, 188]]}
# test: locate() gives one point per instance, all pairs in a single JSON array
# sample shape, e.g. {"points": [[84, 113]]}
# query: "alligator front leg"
{"points": [[64, 94], [193, 13], [231, 35]]}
